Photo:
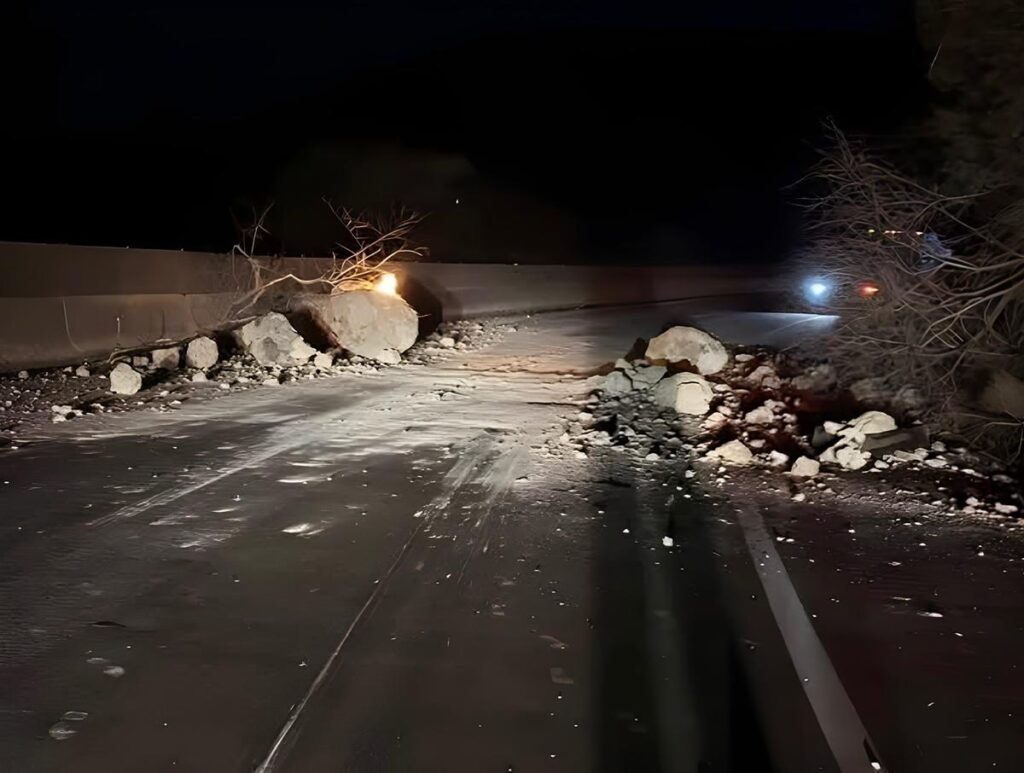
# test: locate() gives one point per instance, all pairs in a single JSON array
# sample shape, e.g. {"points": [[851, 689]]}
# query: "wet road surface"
{"points": [[376, 573]]}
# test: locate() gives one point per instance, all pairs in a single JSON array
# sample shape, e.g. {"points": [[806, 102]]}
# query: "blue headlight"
{"points": [[817, 290]]}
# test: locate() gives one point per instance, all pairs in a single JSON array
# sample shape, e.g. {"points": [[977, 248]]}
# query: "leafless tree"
{"points": [[927, 297]]}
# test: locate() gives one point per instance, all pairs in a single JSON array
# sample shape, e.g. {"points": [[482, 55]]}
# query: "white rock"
{"points": [[125, 380], [140, 361], [799, 497], [166, 359], [322, 360], [270, 382], [201, 353], [61, 408], [446, 342], [733, 452], [23, 374], [760, 415], [272, 340], [82, 372], [714, 420], [851, 458], [743, 357], [198, 378], [1005, 509], [805, 467], [702, 350], [832, 427], [685, 392], [777, 459], [365, 322], [871, 423]]}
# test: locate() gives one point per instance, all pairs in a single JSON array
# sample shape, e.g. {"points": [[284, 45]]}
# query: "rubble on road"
{"points": [[791, 423], [166, 359]]}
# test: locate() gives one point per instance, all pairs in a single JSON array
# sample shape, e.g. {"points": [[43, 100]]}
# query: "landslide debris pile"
{"points": [[689, 396]]}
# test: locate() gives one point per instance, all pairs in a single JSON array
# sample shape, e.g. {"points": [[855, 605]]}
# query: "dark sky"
{"points": [[614, 126]]}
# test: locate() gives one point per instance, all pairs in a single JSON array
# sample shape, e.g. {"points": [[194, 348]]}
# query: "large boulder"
{"points": [[702, 350], [201, 353], [125, 380], [685, 392], [363, 322], [272, 340]]}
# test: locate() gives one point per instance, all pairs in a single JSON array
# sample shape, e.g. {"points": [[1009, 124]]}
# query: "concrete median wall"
{"points": [[66, 304]]}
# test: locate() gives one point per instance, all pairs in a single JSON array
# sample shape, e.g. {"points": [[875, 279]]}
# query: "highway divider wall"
{"points": [[61, 305]]}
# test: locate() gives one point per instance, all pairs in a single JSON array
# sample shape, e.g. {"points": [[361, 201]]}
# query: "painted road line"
{"points": [[845, 733]]}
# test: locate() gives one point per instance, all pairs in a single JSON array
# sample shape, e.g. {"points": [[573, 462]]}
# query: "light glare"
{"points": [[387, 284]]}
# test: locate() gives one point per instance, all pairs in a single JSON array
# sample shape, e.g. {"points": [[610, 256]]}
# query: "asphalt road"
{"points": [[391, 573]]}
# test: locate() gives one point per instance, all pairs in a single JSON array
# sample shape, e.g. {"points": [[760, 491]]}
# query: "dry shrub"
{"points": [[949, 311], [370, 241]]}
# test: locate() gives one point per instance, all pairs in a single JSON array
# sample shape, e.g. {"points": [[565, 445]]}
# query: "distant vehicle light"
{"points": [[817, 290], [868, 289], [387, 284]]}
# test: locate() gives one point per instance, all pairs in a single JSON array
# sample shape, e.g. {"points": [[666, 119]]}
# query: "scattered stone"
{"points": [[743, 357], [777, 459], [82, 372], [905, 438], [140, 361], [446, 342], [617, 383], [733, 452], [645, 376], [166, 359], [805, 467], [760, 415], [201, 353], [272, 340], [685, 392], [323, 360], [125, 380], [271, 382], [199, 378], [702, 350], [799, 497], [23, 374]]}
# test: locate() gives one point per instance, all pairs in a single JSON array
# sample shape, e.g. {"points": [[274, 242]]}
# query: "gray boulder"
{"points": [[272, 340]]}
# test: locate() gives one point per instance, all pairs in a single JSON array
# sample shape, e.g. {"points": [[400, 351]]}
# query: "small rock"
{"points": [[645, 376], [199, 378], [82, 372], [799, 497], [125, 380], [140, 361], [166, 359], [760, 415], [446, 342], [777, 459], [805, 467], [323, 360], [685, 392], [23, 374], [733, 452]]}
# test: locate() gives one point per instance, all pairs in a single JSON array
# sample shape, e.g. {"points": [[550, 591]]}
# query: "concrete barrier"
{"points": [[65, 304]]}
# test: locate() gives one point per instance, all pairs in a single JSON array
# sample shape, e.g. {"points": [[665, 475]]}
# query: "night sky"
{"points": [[584, 131]]}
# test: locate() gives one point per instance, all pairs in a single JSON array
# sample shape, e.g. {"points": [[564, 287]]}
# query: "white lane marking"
{"points": [[845, 733]]}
